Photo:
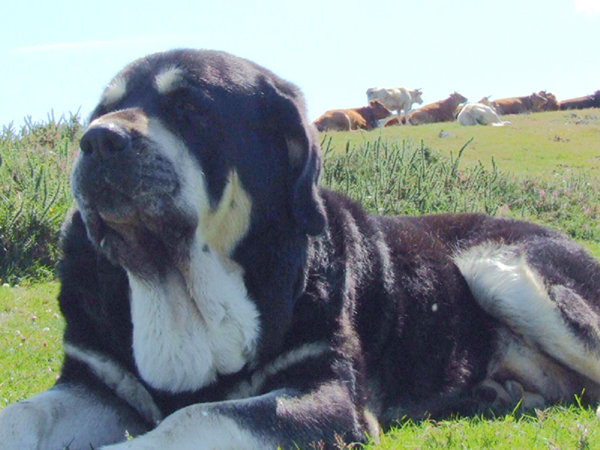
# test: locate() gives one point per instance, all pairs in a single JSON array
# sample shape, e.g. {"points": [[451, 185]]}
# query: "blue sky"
{"points": [[57, 56]]}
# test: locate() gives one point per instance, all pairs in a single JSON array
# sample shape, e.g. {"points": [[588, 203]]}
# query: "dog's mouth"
{"points": [[128, 198], [137, 239]]}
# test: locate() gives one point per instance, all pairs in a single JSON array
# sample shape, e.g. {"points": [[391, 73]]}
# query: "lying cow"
{"points": [[365, 118], [551, 101], [442, 111], [589, 101], [479, 114], [516, 105], [398, 99]]}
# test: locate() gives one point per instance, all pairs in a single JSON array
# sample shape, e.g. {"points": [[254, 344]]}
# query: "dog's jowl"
{"points": [[216, 297]]}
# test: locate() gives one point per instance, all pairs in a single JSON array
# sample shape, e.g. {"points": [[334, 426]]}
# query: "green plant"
{"points": [[34, 195], [390, 177]]}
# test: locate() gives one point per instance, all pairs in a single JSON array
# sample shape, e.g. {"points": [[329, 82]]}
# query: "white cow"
{"points": [[479, 114], [399, 99]]}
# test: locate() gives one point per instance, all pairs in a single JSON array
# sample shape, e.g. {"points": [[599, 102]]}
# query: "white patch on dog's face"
{"points": [[220, 228], [193, 197], [114, 91], [168, 80], [196, 321]]}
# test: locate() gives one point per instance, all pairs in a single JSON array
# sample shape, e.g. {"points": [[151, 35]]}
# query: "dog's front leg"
{"points": [[281, 419], [66, 416]]}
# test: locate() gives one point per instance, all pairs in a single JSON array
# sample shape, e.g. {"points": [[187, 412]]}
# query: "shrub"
{"points": [[35, 163], [389, 177]]}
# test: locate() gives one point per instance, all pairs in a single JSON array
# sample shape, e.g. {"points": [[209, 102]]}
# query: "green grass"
{"points": [[552, 429], [390, 177], [544, 167], [30, 340]]}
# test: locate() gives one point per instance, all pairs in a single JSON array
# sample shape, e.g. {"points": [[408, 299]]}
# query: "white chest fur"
{"points": [[187, 328]]}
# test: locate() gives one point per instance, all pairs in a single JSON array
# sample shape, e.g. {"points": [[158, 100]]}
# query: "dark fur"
{"points": [[405, 336]]}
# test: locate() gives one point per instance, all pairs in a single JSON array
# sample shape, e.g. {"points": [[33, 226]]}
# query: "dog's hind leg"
{"points": [[549, 338]]}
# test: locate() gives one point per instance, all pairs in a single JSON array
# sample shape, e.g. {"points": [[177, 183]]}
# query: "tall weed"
{"points": [[390, 177], [35, 163]]}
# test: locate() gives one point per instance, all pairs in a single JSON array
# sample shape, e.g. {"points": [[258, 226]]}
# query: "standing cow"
{"points": [[399, 99]]}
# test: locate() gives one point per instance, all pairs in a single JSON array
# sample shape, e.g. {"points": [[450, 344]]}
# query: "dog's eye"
{"points": [[188, 107]]}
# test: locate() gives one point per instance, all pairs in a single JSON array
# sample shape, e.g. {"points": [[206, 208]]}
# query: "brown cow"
{"points": [[394, 121], [442, 111], [364, 118], [589, 101], [516, 105], [551, 101]]}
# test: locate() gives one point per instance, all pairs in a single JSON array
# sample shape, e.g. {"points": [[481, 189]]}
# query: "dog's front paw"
{"points": [[21, 426]]}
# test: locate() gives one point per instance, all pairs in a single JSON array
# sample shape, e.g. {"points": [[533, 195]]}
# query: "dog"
{"points": [[217, 297]]}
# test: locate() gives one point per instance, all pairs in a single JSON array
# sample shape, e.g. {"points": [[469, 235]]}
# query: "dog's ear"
{"points": [[304, 158]]}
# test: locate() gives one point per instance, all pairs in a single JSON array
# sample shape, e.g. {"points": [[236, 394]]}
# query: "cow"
{"points": [[398, 99], [365, 118], [479, 114], [441, 111], [516, 105], [551, 101], [394, 121], [589, 101]]}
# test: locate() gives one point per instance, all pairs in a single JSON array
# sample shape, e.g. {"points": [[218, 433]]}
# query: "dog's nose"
{"points": [[104, 140]]}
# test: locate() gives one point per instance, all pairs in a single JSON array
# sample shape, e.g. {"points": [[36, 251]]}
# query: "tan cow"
{"points": [[589, 101], [516, 105], [442, 111], [398, 99], [365, 118]]}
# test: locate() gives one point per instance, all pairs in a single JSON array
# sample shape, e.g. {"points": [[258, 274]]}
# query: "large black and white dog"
{"points": [[217, 298]]}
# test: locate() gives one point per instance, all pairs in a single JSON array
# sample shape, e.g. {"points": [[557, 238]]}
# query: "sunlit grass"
{"points": [[30, 340]]}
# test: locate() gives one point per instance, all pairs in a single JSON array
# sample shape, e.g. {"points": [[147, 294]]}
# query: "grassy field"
{"points": [[543, 167], [540, 145]]}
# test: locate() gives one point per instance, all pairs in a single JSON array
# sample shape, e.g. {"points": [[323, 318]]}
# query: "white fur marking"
{"points": [[196, 427], [64, 416], [114, 92], [186, 330], [283, 362], [168, 80], [120, 380], [507, 288], [195, 321]]}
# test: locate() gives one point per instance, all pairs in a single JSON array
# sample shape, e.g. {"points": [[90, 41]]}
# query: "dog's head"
{"points": [[195, 144]]}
